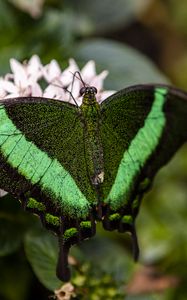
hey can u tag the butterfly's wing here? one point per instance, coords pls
(42, 163)
(142, 127)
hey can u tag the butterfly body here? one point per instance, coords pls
(76, 165)
(90, 111)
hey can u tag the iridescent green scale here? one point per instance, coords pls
(74, 166)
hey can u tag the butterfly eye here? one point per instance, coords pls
(94, 90)
(82, 90)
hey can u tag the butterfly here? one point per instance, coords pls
(74, 166)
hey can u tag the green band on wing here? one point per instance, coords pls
(37, 167)
(138, 152)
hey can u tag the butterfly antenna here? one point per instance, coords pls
(70, 92)
(78, 77)
(71, 95)
(66, 90)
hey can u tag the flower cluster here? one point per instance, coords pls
(24, 81)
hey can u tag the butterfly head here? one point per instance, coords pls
(88, 94)
(88, 90)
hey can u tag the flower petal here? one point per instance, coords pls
(88, 72)
(67, 75)
(51, 71)
(98, 80)
(9, 86)
(36, 90)
(105, 94)
(19, 71)
(54, 92)
(34, 68)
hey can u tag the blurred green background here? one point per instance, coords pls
(138, 41)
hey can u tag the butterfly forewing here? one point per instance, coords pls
(142, 127)
(123, 115)
(43, 137)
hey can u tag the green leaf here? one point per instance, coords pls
(15, 277)
(164, 209)
(42, 250)
(13, 225)
(7, 20)
(108, 257)
(126, 65)
(10, 236)
(103, 16)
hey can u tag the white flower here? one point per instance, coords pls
(62, 85)
(66, 292)
(51, 71)
(23, 80)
